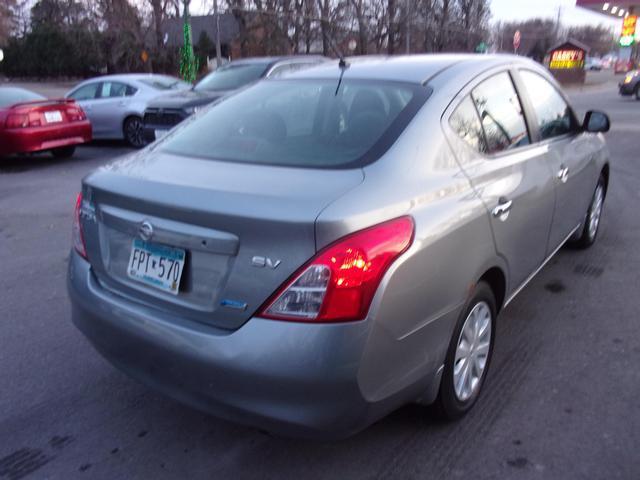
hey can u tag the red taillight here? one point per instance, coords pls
(17, 120)
(24, 120)
(339, 283)
(78, 237)
(75, 113)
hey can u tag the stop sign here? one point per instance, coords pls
(516, 39)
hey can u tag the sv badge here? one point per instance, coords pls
(262, 262)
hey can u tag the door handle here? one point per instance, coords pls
(563, 174)
(502, 210)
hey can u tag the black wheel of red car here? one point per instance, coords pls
(134, 132)
(63, 152)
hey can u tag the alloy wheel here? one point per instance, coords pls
(595, 212)
(472, 352)
(134, 132)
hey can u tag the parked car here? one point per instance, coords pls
(115, 103)
(163, 114)
(32, 123)
(316, 251)
(630, 86)
(593, 64)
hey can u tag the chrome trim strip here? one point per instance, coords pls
(530, 277)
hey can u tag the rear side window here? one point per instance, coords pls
(302, 123)
(115, 90)
(500, 113)
(466, 123)
(553, 114)
(86, 92)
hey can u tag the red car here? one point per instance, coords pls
(31, 123)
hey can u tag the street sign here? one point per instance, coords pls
(517, 37)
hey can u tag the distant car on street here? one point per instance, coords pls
(593, 64)
(32, 123)
(318, 250)
(164, 113)
(115, 104)
(630, 86)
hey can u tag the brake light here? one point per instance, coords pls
(24, 120)
(339, 283)
(17, 120)
(78, 236)
(75, 113)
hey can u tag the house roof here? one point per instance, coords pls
(571, 41)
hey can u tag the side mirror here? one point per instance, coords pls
(595, 122)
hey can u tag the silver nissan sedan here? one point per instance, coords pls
(313, 252)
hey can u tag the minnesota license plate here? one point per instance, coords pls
(156, 265)
(53, 117)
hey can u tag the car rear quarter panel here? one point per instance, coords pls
(421, 296)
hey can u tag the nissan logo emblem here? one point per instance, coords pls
(146, 230)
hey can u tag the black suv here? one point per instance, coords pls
(164, 113)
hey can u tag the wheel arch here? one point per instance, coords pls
(605, 174)
(497, 281)
(130, 115)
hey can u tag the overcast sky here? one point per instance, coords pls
(522, 9)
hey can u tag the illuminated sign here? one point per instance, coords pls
(566, 59)
(628, 35)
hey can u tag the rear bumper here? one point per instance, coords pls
(36, 139)
(292, 378)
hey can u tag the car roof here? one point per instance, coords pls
(127, 76)
(277, 59)
(404, 68)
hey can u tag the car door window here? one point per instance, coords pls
(553, 114)
(500, 113)
(113, 90)
(86, 92)
(466, 123)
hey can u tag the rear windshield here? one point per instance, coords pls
(163, 83)
(302, 123)
(11, 95)
(232, 76)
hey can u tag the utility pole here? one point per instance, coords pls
(217, 15)
(558, 18)
(408, 14)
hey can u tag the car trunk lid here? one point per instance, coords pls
(245, 228)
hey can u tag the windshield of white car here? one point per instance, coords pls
(163, 83)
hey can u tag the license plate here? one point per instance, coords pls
(156, 265)
(53, 117)
(161, 133)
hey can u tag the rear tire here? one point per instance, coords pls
(469, 355)
(63, 152)
(591, 227)
(133, 130)
(636, 92)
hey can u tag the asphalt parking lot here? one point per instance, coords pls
(561, 400)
